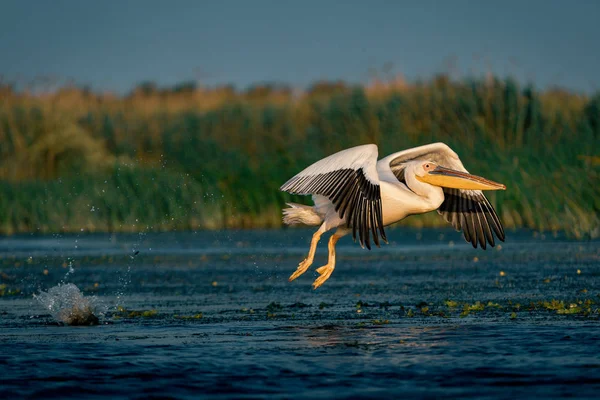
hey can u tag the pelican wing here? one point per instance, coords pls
(471, 212)
(350, 181)
(467, 210)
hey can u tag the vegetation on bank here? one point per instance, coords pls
(194, 158)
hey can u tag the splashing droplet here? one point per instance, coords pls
(68, 305)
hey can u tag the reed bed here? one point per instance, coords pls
(195, 158)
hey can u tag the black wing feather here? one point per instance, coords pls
(354, 197)
(471, 212)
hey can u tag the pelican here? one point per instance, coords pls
(354, 192)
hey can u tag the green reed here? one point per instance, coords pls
(213, 159)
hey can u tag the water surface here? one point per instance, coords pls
(212, 313)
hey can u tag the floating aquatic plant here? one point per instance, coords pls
(6, 291)
(380, 321)
(451, 303)
(122, 312)
(188, 317)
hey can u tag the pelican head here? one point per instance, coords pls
(430, 172)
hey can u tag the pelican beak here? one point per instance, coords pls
(449, 178)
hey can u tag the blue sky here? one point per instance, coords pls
(112, 45)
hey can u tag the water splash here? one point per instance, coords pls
(69, 272)
(68, 305)
(125, 276)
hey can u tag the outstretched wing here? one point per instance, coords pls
(467, 210)
(349, 180)
(471, 212)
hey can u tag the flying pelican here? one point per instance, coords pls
(354, 192)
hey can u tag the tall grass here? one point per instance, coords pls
(192, 158)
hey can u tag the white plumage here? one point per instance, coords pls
(354, 192)
(360, 157)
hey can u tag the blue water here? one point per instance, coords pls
(426, 316)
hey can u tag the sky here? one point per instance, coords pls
(113, 45)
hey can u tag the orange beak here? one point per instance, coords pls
(449, 178)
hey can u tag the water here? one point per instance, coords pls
(68, 305)
(212, 314)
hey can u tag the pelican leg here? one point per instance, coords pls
(307, 262)
(326, 270)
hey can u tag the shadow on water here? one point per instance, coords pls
(213, 314)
